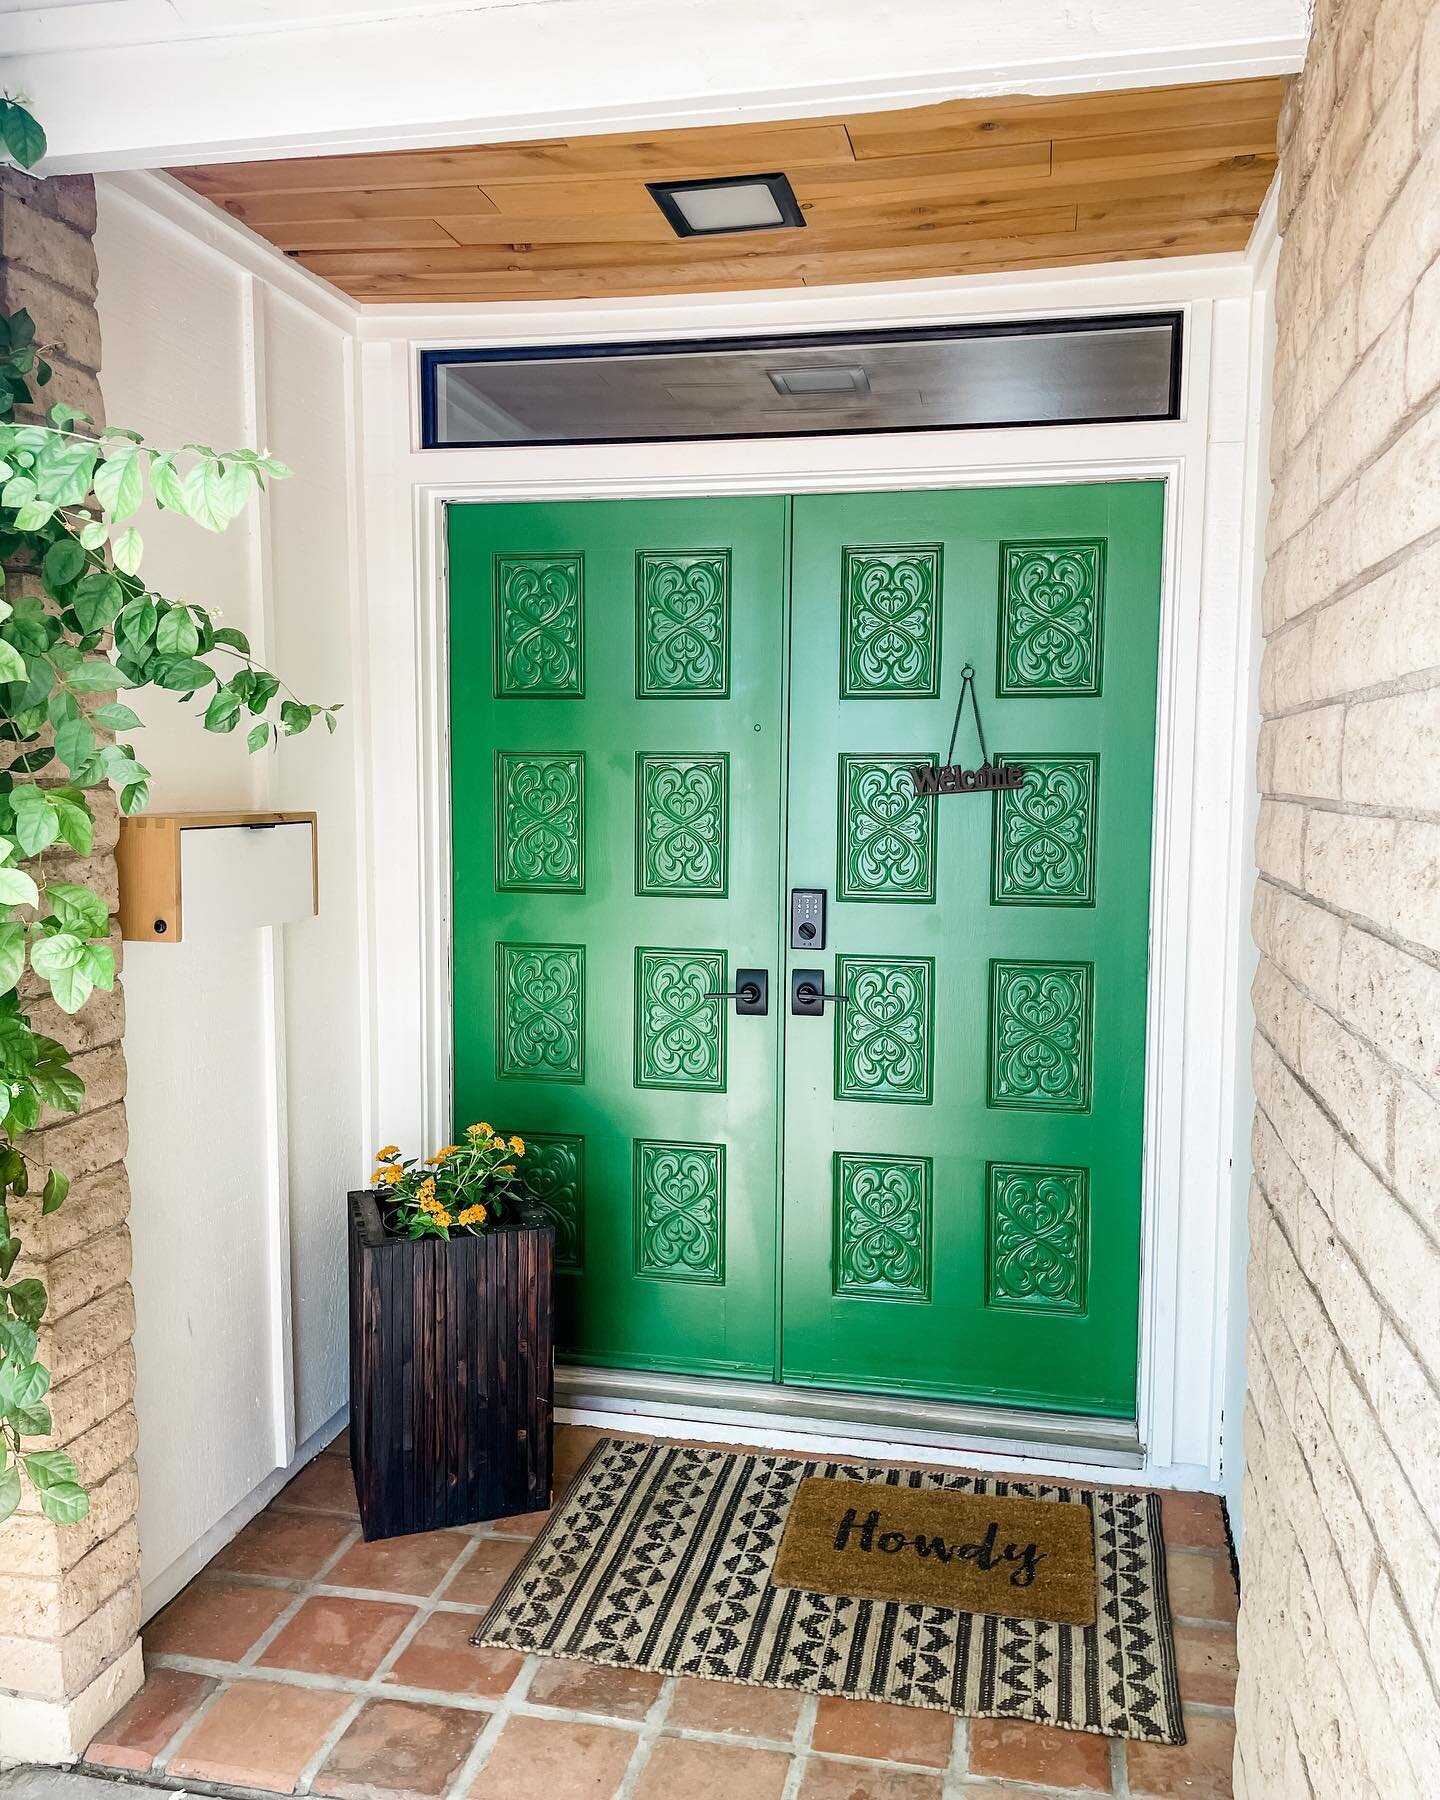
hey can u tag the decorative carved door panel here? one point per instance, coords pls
(635, 686)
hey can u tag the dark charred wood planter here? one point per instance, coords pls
(451, 1373)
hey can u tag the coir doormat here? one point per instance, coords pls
(981, 1553)
(664, 1557)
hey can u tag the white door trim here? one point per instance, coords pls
(1186, 1113)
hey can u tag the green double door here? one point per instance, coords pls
(669, 716)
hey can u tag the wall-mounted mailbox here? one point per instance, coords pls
(197, 873)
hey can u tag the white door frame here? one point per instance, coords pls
(1207, 597)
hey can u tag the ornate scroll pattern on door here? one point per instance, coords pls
(679, 1030)
(887, 831)
(681, 825)
(682, 625)
(539, 628)
(1038, 1227)
(890, 623)
(540, 821)
(680, 1211)
(882, 1227)
(554, 1173)
(541, 1001)
(1044, 851)
(884, 1030)
(1040, 1030)
(1051, 607)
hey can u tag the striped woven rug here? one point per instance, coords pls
(659, 1557)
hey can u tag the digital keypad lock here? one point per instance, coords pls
(807, 918)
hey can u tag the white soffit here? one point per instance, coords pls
(146, 83)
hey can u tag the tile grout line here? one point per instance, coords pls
(958, 1766)
(649, 1732)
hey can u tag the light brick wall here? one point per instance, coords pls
(1340, 1620)
(70, 1595)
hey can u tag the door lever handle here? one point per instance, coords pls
(751, 992)
(807, 993)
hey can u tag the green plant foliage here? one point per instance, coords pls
(78, 621)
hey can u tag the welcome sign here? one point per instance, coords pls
(950, 778)
(983, 1553)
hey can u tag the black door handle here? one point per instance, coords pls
(751, 992)
(807, 993)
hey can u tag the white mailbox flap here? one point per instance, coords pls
(235, 876)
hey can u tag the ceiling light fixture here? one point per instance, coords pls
(727, 203)
(817, 379)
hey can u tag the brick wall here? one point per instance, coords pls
(1340, 1622)
(70, 1595)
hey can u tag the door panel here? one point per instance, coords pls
(962, 1166)
(617, 755)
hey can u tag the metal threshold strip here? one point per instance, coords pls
(950, 1425)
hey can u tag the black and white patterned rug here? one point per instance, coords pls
(659, 1557)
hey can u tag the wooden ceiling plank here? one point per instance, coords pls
(262, 212)
(365, 234)
(593, 228)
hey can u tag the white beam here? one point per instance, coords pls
(123, 84)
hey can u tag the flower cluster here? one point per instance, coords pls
(462, 1187)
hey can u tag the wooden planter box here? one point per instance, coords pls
(451, 1373)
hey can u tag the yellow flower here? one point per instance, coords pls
(509, 1169)
(444, 1151)
(387, 1150)
(442, 1219)
(391, 1175)
(474, 1215)
(517, 1144)
(427, 1188)
(481, 1130)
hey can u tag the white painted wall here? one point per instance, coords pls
(236, 79)
(246, 1048)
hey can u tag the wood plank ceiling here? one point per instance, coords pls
(969, 185)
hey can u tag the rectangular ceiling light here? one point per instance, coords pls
(1087, 371)
(728, 203)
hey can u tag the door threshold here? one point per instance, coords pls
(950, 1428)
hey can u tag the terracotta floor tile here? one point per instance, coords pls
(730, 1706)
(216, 1617)
(526, 1525)
(333, 1635)
(440, 1656)
(855, 1781)
(573, 1443)
(1201, 1585)
(1199, 1769)
(485, 1574)
(555, 1759)
(1208, 1664)
(394, 1747)
(699, 1771)
(887, 1733)
(594, 1688)
(140, 1731)
(258, 1734)
(325, 1485)
(1193, 1521)
(1014, 1750)
(283, 1543)
(401, 1565)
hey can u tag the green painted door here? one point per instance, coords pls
(637, 783)
(617, 756)
(962, 1169)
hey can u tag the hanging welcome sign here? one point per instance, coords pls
(950, 778)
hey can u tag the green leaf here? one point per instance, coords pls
(129, 549)
(63, 415)
(258, 738)
(52, 1197)
(215, 491)
(17, 1339)
(74, 743)
(33, 1421)
(24, 138)
(185, 675)
(93, 535)
(36, 824)
(78, 909)
(97, 678)
(115, 715)
(64, 469)
(64, 562)
(12, 967)
(12, 664)
(118, 486)
(134, 797)
(223, 712)
(22, 1384)
(9, 1491)
(165, 484)
(98, 599)
(176, 635)
(49, 1468)
(34, 514)
(295, 717)
(28, 1301)
(65, 1503)
(76, 825)
(9, 1250)
(137, 625)
(17, 491)
(99, 965)
(17, 889)
(233, 640)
